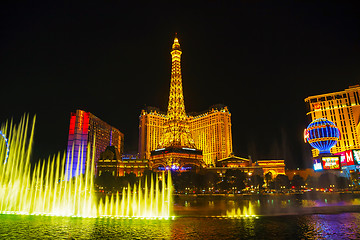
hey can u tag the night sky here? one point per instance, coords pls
(261, 59)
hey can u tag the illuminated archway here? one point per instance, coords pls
(7, 146)
(273, 173)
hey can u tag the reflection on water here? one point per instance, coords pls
(317, 226)
(265, 205)
(281, 217)
(44, 227)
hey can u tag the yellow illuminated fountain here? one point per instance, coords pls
(246, 212)
(44, 190)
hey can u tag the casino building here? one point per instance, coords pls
(343, 109)
(200, 138)
(84, 128)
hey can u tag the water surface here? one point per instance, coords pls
(282, 217)
(317, 226)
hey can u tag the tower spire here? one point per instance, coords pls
(176, 131)
(176, 44)
(176, 106)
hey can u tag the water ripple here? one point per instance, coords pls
(316, 226)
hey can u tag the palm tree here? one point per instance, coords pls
(268, 178)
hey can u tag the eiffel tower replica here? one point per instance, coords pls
(177, 148)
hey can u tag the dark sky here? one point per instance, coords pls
(260, 58)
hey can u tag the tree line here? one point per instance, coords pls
(232, 181)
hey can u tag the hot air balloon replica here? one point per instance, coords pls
(323, 134)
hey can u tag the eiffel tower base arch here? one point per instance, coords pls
(177, 158)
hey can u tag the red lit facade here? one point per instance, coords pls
(83, 130)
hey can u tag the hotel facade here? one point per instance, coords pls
(343, 109)
(84, 128)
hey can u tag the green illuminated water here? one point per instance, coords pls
(193, 221)
(326, 226)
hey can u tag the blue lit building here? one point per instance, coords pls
(85, 128)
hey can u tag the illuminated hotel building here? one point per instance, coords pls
(151, 128)
(209, 131)
(343, 109)
(84, 128)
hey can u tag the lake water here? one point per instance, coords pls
(282, 217)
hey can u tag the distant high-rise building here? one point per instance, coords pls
(84, 128)
(343, 109)
(209, 131)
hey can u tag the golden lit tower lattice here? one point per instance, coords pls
(176, 128)
(176, 146)
(160, 133)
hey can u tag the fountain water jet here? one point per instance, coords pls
(246, 212)
(46, 191)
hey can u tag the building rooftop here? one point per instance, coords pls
(337, 95)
